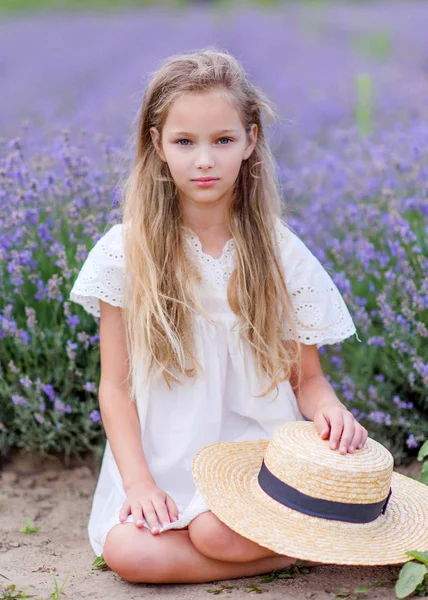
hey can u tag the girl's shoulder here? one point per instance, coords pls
(292, 248)
(113, 235)
(109, 249)
(101, 276)
(322, 316)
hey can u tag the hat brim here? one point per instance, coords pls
(226, 475)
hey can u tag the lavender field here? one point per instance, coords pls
(350, 82)
(89, 70)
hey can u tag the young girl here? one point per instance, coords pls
(211, 315)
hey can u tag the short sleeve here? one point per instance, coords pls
(321, 315)
(102, 274)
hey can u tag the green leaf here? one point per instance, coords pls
(420, 556)
(423, 451)
(300, 563)
(361, 590)
(411, 575)
(424, 473)
(379, 581)
(99, 563)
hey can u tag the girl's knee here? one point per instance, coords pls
(212, 538)
(129, 552)
(117, 547)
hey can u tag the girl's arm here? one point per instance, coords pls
(314, 390)
(318, 402)
(122, 427)
(119, 414)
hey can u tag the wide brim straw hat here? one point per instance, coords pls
(296, 496)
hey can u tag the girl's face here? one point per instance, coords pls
(203, 137)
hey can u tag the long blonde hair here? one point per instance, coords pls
(160, 290)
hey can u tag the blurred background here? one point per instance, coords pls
(350, 83)
(84, 64)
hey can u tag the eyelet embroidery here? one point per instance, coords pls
(214, 270)
(218, 270)
(337, 323)
(101, 277)
(230, 244)
(330, 325)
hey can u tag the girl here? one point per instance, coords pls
(211, 315)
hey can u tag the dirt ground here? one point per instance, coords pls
(58, 501)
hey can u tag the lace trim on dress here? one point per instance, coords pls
(308, 316)
(321, 315)
(101, 276)
(216, 270)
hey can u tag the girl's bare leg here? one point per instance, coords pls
(215, 539)
(170, 557)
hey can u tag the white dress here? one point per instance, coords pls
(218, 406)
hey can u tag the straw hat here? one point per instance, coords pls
(296, 496)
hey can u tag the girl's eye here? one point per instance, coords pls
(186, 140)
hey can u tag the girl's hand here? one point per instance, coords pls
(335, 420)
(146, 499)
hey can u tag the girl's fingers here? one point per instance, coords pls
(364, 436)
(124, 511)
(356, 439)
(151, 518)
(348, 431)
(161, 510)
(172, 508)
(336, 425)
(322, 425)
(137, 515)
(344, 428)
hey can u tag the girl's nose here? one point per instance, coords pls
(204, 160)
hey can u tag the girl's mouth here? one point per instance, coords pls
(205, 182)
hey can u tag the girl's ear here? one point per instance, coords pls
(252, 141)
(156, 142)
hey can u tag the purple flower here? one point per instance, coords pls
(95, 416)
(59, 406)
(20, 401)
(49, 391)
(411, 442)
(71, 347)
(25, 381)
(90, 387)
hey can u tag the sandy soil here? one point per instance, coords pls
(58, 501)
